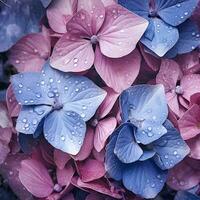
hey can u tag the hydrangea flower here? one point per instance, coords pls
(100, 35)
(168, 26)
(146, 145)
(58, 103)
(184, 195)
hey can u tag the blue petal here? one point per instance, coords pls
(65, 130)
(112, 164)
(145, 106)
(30, 117)
(46, 3)
(175, 12)
(164, 38)
(145, 178)
(184, 195)
(18, 18)
(29, 89)
(189, 39)
(147, 154)
(137, 6)
(170, 149)
(126, 149)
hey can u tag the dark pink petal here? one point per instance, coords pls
(96, 10)
(108, 103)
(194, 144)
(87, 145)
(35, 178)
(172, 100)
(65, 175)
(195, 99)
(103, 130)
(72, 54)
(4, 150)
(169, 74)
(189, 124)
(191, 85)
(9, 171)
(30, 52)
(99, 186)
(60, 158)
(119, 26)
(59, 13)
(12, 104)
(100, 156)
(185, 175)
(69, 197)
(5, 135)
(118, 73)
(90, 170)
(94, 196)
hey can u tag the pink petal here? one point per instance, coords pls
(169, 74)
(194, 144)
(72, 54)
(90, 170)
(60, 158)
(65, 175)
(5, 135)
(99, 186)
(103, 130)
(4, 150)
(69, 197)
(87, 146)
(118, 73)
(119, 26)
(12, 104)
(173, 103)
(183, 102)
(30, 52)
(96, 10)
(94, 197)
(59, 13)
(5, 120)
(100, 156)
(195, 99)
(190, 122)
(35, 178)
(184, 176)
(191, 85)
(9, 171)
(109, 2)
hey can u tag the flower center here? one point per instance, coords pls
(179, 89)
(57, 105)
(94, 39)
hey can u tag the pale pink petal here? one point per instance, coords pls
(30, 52)
(184, 175)
(96, 10)
(169, 74)
(194, 144)
(183, 102)
(119, 26)
(35, 178)
(118, 73)
(108, 103)
(103, 130)
(109, 2)
(60, 158)
(59, 13)
(87, 145)
(72, 54)
(5, 135)
(65, 175)
(189, 124)
(12, 104)
(191, 85)
(9, 171)
(90, 170)
(5, 120)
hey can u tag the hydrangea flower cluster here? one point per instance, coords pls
(100, 99)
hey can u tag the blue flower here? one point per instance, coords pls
(58, 104)
(168, 25)
(184, 195)
(146, 145)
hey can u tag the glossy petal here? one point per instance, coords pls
(126, 148)
(170, 149)
(18, 18)
(90, 170)
(118, 73)
(118, 27)
(146, 107)
(144, 178)
(189, 122)
(30, 117)
(72, 54)
(184, 195)
(59, 13)
(35, 178)
(161, 42)
(60, 133)
(175, 12)
(103, 130)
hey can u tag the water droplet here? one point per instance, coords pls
(17, 61)
(186, 13)
(166, 156)
(38, 95)
(34, 122)
(19, 91)
(20, 85)
(80, 142)
(59, 81)
(193, 47)
(11, 173)
(50, 94)
(178, 5)
(84, 107)
(150, 134)
(26, 125)
(75, 60)
(51, 80)
(24, 120)
(153, 185)
(66, 88)
(149, 129)
(101, 16)
(82, 115)
(76, 89)
(175, 152)
(42, 82)
(182, 183)
(63, 138)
